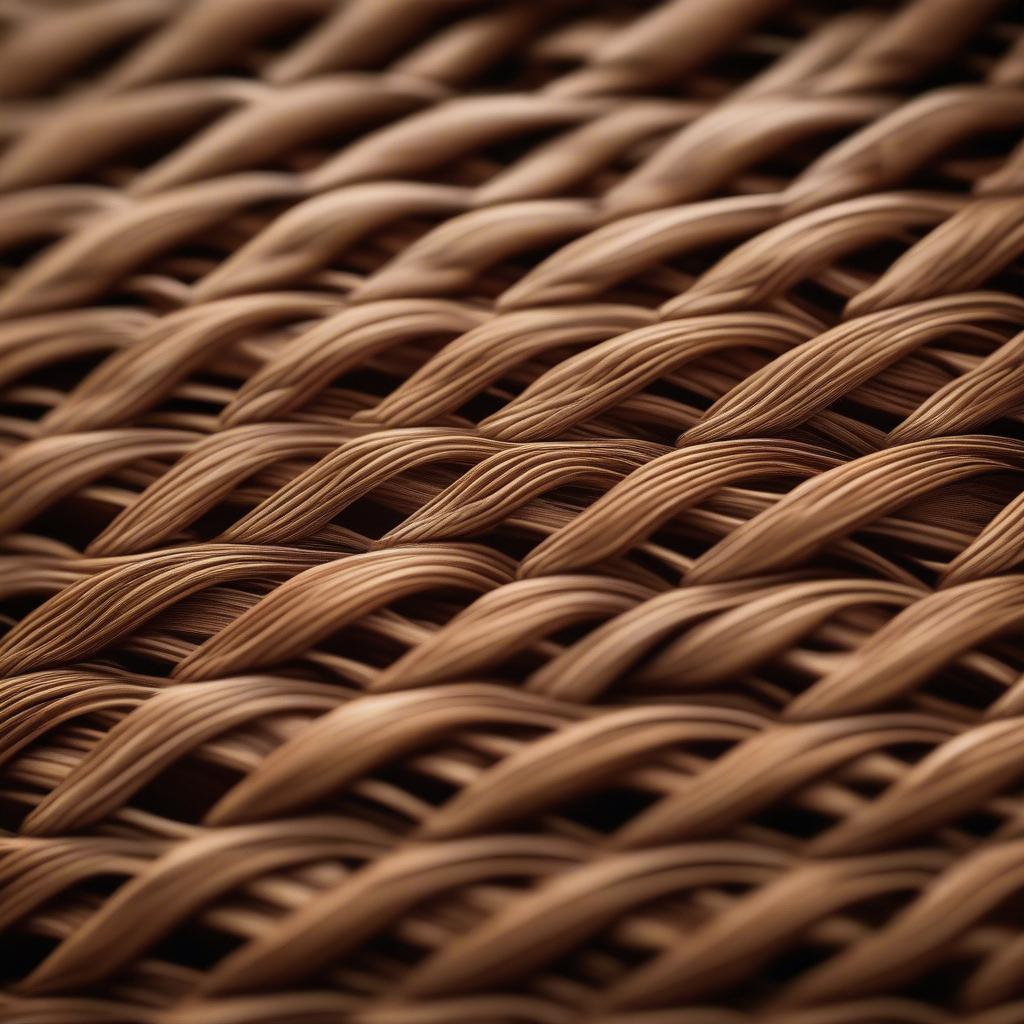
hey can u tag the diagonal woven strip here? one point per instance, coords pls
(511, 512)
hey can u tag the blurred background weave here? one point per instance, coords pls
(511, 512)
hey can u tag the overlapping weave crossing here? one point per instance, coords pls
(512, 512)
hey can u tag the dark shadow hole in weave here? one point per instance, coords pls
(820, 299)
(489, 401)
(963, 689)
(13, 811)
(95, 65)
(570, 635)
(1006, 649)
(436, 607)
(65, 374)
(16, 256)
(651, 563)
(863, 785)
(180, 406)
(675, 390)
(981, 825)
(196, 946)
(961, 165)
(499, 392)
(186, 790)
(412, 780)
(942, 985)
(979, 340)
(379, 962)
(776, 33)
(602, 812)
(13, 609)
(364, 645)
(677, 537)
(989, 44)
(361, 807)
(707, 750)
(783, 166)
(1009, 912)
(302, 21)
(909, 556)
(609, 810)
(602, 961)
(752, 55)
(872, 914)
(513, 71)
(131, 160)
(1009, 279)
(993, 146)
(381, 379)
(21, 952)
(867, 415)
(370, 516)
(494, 158)
(375, 647)
(877, 258)
(776, 973)
(135, 662)
(212, 523)
(24, 406)
(74, 520)
(794, 820)
(368, 255)
(650, 289)
(544, 60)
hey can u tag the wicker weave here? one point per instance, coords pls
(511, 512)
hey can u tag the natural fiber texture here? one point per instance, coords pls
(511, 512)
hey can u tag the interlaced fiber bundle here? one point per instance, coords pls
(512, 512)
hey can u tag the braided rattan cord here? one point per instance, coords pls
(511, 512)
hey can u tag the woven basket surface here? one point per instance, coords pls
(512, 512)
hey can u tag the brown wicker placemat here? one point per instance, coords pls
(511, 512)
